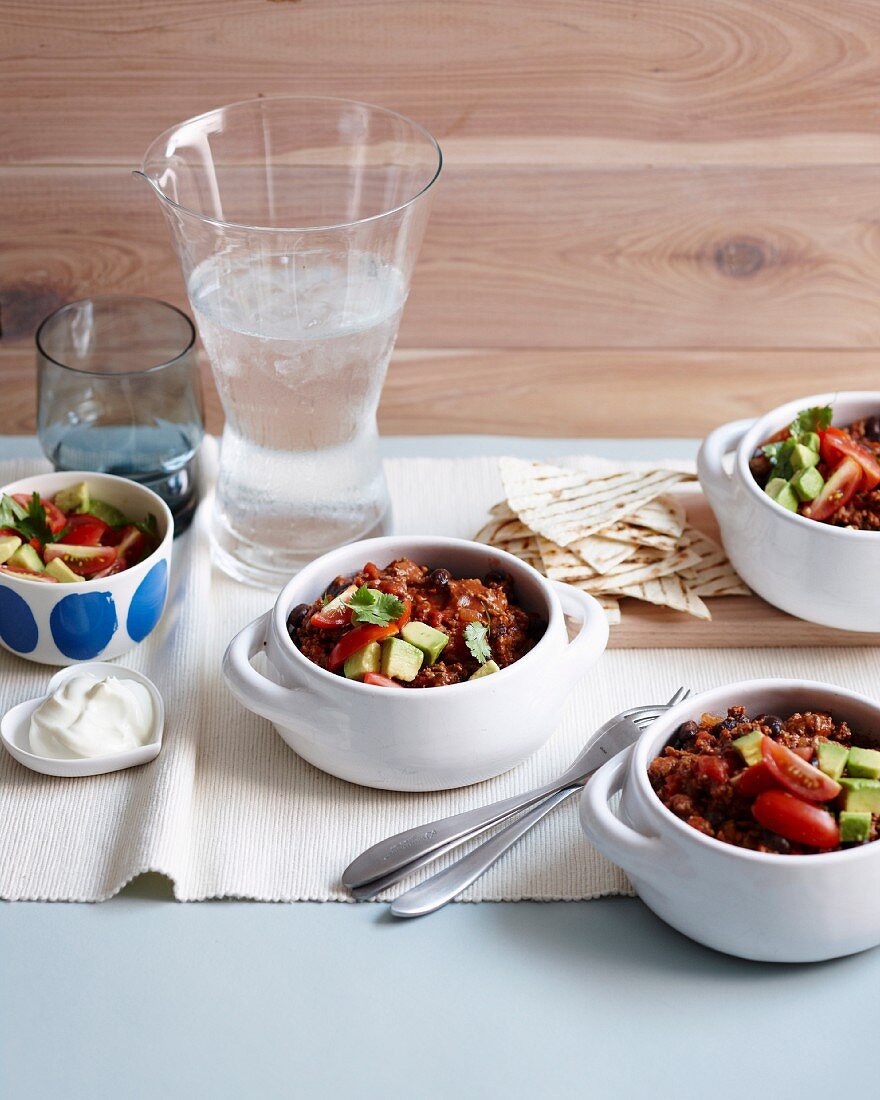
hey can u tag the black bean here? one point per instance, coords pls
(440, 577)
(684, 733)
(337, 586)
(773, 723)
(496, 576)
(295, 618)
(778, 843)
(872, 429)
(726, 724)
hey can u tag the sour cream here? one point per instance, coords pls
(91, 717)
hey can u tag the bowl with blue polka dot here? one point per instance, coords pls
(88, 620)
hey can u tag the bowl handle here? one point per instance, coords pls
(714, 479)
(624, 846)
(255, 692)
(590, 642)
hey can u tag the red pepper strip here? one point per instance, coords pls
(336, 617)
(378, 680)
(362, 635)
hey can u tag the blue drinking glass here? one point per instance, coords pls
(118, 392)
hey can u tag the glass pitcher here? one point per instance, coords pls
(297, 222)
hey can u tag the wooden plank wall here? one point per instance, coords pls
(655, 214)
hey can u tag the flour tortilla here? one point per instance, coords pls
(645, 565)
(669, 592)
(564, 505)
(713, 575)
(514, 537)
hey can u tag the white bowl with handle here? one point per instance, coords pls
(815, 571)
(417, 739)
(757, 905)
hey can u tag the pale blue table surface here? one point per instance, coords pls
(142, 997)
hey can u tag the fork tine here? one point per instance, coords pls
(681, 694)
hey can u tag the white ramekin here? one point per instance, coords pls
(63, 624)
(776, 908)
(824, 574)
(417, 739)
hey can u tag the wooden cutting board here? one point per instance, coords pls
(738, 622)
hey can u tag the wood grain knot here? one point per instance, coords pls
(740, 257)
(24, 306)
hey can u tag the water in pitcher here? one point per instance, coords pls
(299, 345)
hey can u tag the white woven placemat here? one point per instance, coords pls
(227, 810)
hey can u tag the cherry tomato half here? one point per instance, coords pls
(836, 445)
(362, 635)
(378, 680)
(85, 530)
(842, 485)
(54, 516)
(83, 560)
(796, 820)
(796, 775)
(756, 779)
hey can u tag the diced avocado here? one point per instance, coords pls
(810, 439)
(485, 670)
(26, 557)
(807, 483)
(73, 499)
(107, 512)
(780, 491)
(61, 572)
(749, 747)
(855, 828)
(8, 545)
(802, 458)
(430, 641)
(365, 660)
(832, 758)
(400, 659)
(863, 763)
(861, 795)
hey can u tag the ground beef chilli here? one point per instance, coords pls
(863, 511)
(699, 777)
(439, 600)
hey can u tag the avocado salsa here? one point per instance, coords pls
(793, 786)
(822, 472)
(412, 626)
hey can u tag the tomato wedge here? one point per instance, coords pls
(362, 635)
(835, 445)
(756, 779)
(378, 680)
(796, 775)
(796, 820)
(54, 516)
(29, 574)
(336, 612)
(842, 485)
(83, 560)
(85, 530)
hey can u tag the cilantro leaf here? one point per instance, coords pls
(816, 419)
(368, 605)
(476, 638)
(30, 522)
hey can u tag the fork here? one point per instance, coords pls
(440, 889)
(385, 863)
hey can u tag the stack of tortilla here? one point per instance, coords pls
(611, 532)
